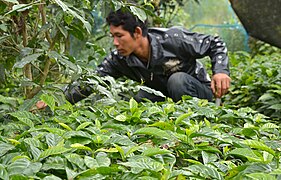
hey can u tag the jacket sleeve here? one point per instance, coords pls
(76, 91)
(201, 45)
(109, 66)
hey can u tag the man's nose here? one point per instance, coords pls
(115, 41)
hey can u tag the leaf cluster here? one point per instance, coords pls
(191, 139)
(256, 82)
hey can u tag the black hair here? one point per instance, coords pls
(127, 20)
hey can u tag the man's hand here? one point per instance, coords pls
(41, 105)
(220, 84)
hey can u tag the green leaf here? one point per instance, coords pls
(139, 163)
(24, 166)
(70, 173)
(116, 126)
(155, 151)
(177, 173)
(163, 125)
(27, 122)
(207, 148)
(12, 1)
(258, 145)
(83, 125)
(249, 132)
(35, 152)
(260, 176)
(66, 9)
(101, 161)
(53, 151)
(121, 151)
(3, 172)
(55, 162)
(67, 63)
(139, 13)
(247, 153)
(52, 139)
(56, 131)
(208, 157)
(269, 126)
(169, 108)
(32, 169)
(98, 173)
(121, 118)
(276, 171)
(63, 30)
(91, 162)
(8, 100)
(151, 91)
(18, 166)
(120, 139)
(182, 117)
(109, 150)
(18, 177)
(116, 4)
(205, 171)
(277, 91)
(275, 107)
(51, 177)
(266, 97)
(153, 132)
(75, 159)
(14, 141)
(65, 126)
(80, 146)
(4, 148)
(25, 115)
(131, 151)
(70, 134)
(49, 100)
(21, 7)
(154, 110)
(133, 105)
(32, 142)
(26, 60)
(137, 114)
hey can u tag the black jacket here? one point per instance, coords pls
(172, 50)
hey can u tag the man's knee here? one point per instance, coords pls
(177, 80)
(181, 83)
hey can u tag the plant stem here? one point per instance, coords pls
(48, 62)
(44, 21)
(27, 67)
(52, 44)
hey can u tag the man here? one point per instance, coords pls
(163, 59)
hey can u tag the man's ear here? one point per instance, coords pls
(138, 32)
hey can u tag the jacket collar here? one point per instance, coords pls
(156, 48)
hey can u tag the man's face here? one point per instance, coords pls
(122, 40)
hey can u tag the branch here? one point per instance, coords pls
(44, 21)
(48, 62)
(27, 67)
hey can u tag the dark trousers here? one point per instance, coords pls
(180, 84)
